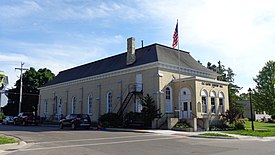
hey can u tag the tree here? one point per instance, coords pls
(149, 110)
(264, 95)
(32, 80)
(2, 82)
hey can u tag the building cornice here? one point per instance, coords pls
(161, 65)
(188, 71)
(203, 80)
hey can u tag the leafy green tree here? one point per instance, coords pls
(2, 82)
(244, 96)
(264, 95)
(32, 80)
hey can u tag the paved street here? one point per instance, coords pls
(51, 140)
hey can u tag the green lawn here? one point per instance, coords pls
(261, 129)
(7, 140)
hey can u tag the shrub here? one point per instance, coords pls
(218, 126)
(239, 124)
(182, 125)
(2, 116)
(273, 116)
(110, 120)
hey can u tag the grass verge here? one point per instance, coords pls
(214, 135)
(261, 129)
(7, 140)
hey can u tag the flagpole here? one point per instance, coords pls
(180, 99)
(178, 51)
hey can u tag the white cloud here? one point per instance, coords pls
(19, 9)
(56, 57)
(12, 57)
(62, 10)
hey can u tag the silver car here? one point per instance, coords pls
(8, 120)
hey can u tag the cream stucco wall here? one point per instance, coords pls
(166, 80)
(98, 89)
(216, 87)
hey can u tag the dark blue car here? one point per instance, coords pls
(75, 121)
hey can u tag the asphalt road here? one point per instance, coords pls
(52, 141)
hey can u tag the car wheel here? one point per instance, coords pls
(73, 126)
(61, 126)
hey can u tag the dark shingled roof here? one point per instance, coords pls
(145, 55)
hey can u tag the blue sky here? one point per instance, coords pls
(60, 34)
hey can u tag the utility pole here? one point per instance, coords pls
(21, 84)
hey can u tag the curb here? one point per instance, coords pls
(12, 146)
(126, 130)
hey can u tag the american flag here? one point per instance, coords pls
(175, 37)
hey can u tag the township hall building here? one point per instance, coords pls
(181, 87)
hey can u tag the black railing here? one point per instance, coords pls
(124, 104)
(134, 89)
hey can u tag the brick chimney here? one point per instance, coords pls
(131, 56)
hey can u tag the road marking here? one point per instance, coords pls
(107, 143)
(94, 139)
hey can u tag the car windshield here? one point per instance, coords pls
(78, 116)
(84, 116)
(27, 114)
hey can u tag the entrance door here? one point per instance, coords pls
(185, 105)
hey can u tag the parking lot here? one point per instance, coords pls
(52, 140)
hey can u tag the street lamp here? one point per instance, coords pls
(252, 124)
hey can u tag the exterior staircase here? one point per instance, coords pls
(134, 90)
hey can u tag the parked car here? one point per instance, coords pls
(75, 121)
(8, 120)
(26, 118)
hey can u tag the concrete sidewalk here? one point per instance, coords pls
(193, 134)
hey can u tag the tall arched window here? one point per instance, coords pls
(109, 101)
(213, 101)
(45, 108)
(221, 103)
(90, 110)
(73, 105)
(59, 108)
(168, 97)
(204, 101)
